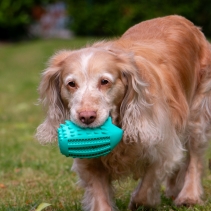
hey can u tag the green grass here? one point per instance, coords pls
(30, 173)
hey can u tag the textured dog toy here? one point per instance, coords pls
(80, 142)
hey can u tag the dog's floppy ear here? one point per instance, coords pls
(50, 98)
(141, 116)
(135, 102)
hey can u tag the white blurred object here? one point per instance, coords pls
(52, 23)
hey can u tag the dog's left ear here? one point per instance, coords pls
(138, 119)
(132, 78)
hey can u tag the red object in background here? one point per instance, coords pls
(38, 12)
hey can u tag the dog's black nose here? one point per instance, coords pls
(87, 117)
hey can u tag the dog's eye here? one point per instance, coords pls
(104, 82)
(72, 84)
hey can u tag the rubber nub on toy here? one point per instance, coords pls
(78, 142)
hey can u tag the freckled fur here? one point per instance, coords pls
(159, 94)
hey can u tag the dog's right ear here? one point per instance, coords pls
(49, 91)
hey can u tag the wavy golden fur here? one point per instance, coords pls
(155, 83)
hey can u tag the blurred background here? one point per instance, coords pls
(27, 19)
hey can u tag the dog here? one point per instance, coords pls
(155, 83)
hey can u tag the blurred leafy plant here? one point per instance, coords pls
(14, 12)
(113, 17)
(15, 16)
(100, 17)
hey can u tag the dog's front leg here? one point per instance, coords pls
(95, 180)
(148, 191)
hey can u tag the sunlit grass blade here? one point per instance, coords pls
(42, 206)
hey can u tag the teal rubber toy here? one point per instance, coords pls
(78, 142)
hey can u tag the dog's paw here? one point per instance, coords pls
(190, 195)
(136, 203)
(188, 200)
(133, 206)
(138, 207)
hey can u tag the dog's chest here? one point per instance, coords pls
(125, 160)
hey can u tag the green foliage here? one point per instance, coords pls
(15, 16)
(113, 17)
(103, 18)
(11, 9)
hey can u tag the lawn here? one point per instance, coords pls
(30, 173)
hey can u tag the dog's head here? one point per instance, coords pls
(91, 86)
(86, 86)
